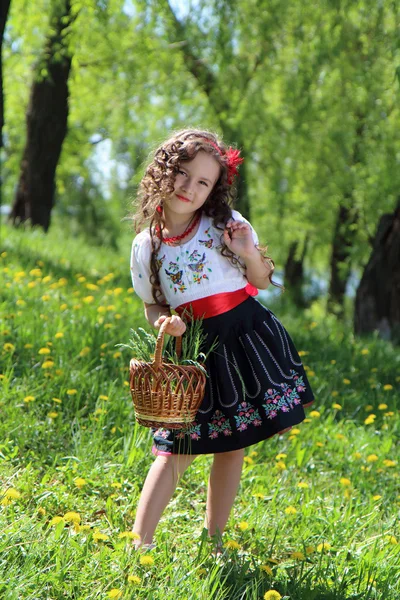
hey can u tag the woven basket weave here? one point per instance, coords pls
(165, 394)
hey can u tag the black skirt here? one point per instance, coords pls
(256, 385)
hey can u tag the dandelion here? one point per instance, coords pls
(232, 545)
(340, 436)
(129, 534)
(44, 351)
(273, 594)
(302, 484)
(315, 414)
(55, 521)
(310, 549)
(248, 460)
(390, 413)
(134, 579)
(114, 593)
(10, 495)
(85, 351)
(79, 482)
(382, 406)
(368, 408)
(295, 431)
(297, 556)
(116, 484)
(391, 539)
(370, 420)
(323, 546)
(72, 517)
(88, 299)
(280, 456)
(52, 414)
(99, 537)
(376, 497)
(63, 306)
(333, 362)
(117, 354)
(258, 496)
(290, 510)
(57, 400)
(45, 297)
(28, 399)
(345, 482)
(346, 381)
(389, 463)
(7, 347)
(48, 364)
(243, 525)
(59, 335)
(387, 387)
(101, 397)
(72, 392)
(336, 406)
(372, 458)
(92, 287)
(146, 560)
(364, 351)
(267, 569)
(319, 444)
(311, 373)
(280, 465)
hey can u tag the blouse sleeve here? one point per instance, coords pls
(140, 267)
(238, 217)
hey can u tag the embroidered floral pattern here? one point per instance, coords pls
(207, 243)
(159, 262)
(219, 424)
(164, 433)
(175, 276)
(285, 399)
(247, 415)
(193, 431)
(198, 266)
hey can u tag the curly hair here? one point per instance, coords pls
(158, 184)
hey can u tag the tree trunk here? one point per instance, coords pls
(4, 6)
(340, 257)
(46, 117)
(377, 305)
(294, 274)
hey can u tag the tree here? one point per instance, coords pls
(46, 121)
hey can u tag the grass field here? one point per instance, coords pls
(317, 513)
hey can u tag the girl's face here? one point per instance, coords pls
(193, 184)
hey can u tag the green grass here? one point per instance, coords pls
(69, 442)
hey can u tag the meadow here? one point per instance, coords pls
(316, 517)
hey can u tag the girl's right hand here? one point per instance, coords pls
(175, 327)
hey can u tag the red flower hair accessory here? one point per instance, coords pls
(233, 159)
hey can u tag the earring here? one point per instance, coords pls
(159, 209)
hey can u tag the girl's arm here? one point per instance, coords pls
(156, 315)
(257, 270)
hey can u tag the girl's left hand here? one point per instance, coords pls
(239, 239)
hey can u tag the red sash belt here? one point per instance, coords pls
(214, 305)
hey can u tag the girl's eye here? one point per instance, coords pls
(183, 172)
(204, 183)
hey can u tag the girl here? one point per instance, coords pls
(198, 256)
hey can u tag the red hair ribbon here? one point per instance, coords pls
(233, 159)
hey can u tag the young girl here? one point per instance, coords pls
(198, 256)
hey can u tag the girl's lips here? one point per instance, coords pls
(182, 198)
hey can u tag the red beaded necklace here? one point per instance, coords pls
(178, 238)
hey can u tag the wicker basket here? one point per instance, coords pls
(165, 394)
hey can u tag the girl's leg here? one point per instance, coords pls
(157, 491)
(222, 489)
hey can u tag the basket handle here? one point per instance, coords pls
(160, 343)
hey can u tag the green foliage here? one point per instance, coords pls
(316, 512)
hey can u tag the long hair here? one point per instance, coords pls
(158, 184)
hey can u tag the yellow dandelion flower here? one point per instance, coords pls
(310, 549)
(387, 387)
(232, 545)
(99, 537)
(243, 525)
(370, 420)
(372, 458)
(29, 399)
(126, 383)
(72, 392)
(364, 351)
(333, 362)
(56, 521)
(290, 510)
(79, 482)
(295, 431)
(85, 351)
(59, 335)
(382, 406)
(340, 436)
(63, 306)
(146, 560)
(101, 397)
(303, 353)
(323, 546)
(7, 347)
(88, 299)
(72, 517)
(376, 497)
(391, 539)
(117, 354)
(280, 465)
(319, 444)
(302, 484)
(12, 494)
(116, 484)
(280, 456)
(253, 454)
(3, 254)
(258, 496)
(297, 556)
(346, 381)
(52, 414)
(57, 400)
(118, 291)
(45, 297)
(267, 569)
(345, 482)
(273, 594)
(368, 408)
(315, 414)
(48, 364)
(113, 429)
(248, 460)
(389, 463)
(129, 534)
(337, 406)
(134, 579)
(92, 287)
(390, 413)
(114, 593)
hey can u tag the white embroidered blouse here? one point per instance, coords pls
(193, 270)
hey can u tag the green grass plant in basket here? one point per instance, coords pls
(167, 390)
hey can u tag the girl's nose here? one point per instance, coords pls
(188, 186)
